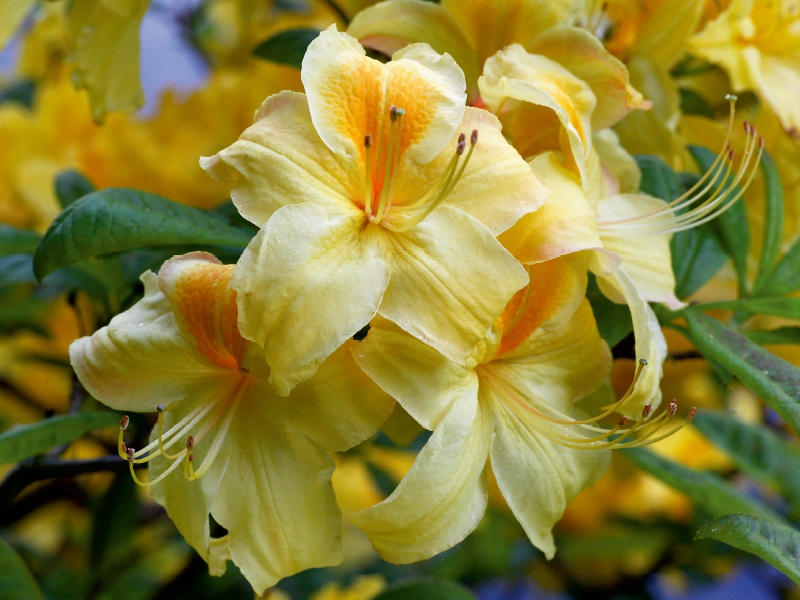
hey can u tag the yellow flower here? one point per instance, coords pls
(758, 43)
(226, 444)
(513, 406)
(368, 201)
(364, 587)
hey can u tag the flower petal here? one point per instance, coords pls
(276, 500)
(583, 55)
(440, 273)
(539, 478)
(339, 406)
(443, 497)
(421, 379)
(280, 160)
(664, 34)
(305, 284)
(646, 258)
(650, 345)
(541, 104)
(143, 358)
(350, 95)
(392, 25)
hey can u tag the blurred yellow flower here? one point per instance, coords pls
(262, 467)
(364, 587)
(367, 204)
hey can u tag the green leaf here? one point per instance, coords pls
(17, 241)
(774, 380)
(16, 269)
(693, 103)
(287, 47)
(779, 307)
(773, 542)
(756, 450)
(785, 276)
(706, 490)
(773, 218)
(72, 185)
(119, 219)
(21, 92)
(426, 589)
(781, 335)
(19, 443)
(613, 320)
(657, 178)
(17, 583)
(732, 225)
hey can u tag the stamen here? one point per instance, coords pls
(368, 175)
(392, 160)
(122, 449)
(718, 178)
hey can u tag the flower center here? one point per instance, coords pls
(379, 206)
(718, 190)
(195, 426)
(584, 434)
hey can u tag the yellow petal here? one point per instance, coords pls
(646, 258)
(440, 272)
(310, 278)
(665, 32)
(539, 478)
(337, 408)
(421, 379)
(650, 345)
(541, 105)
(280, 160)
(583, 55)
(106, 34)
(491, 26)
(392, 25)
(143, 358)
(350, 95)
(624, 172)
(276, 500)
(443, 497)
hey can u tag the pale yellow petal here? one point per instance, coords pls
(337, 408)
(777, 78)
(666, 30)
(650, 345)
(421, 379)
(625, 175)
(350, 95)
(440, 271)
(390, 26)
(106, 38)
(305, 284)
(276, 500)
(443, 497)
(143, 358)
(280, 160)
(583, 55)
(646, 258)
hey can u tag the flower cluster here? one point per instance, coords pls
(428, 226)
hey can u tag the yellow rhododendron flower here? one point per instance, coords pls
(106, 39)
(369, 202)
(758, 43)
(226, 444)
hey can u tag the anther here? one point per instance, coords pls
(646, 410)
(368, 141)
(474, 137)
(130, 452)
(692, 414)
(672, 408)
(461, 146)
(191, 457)
(393, 112)
(761, 142)
(746, 126)
(190, 442)
(731, 97)
(462, 138)
(123, 422)
(643, 362)
(124, 447)
(622, 421)
(160, 408)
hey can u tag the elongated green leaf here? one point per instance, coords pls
(613, 320)
(784, 277)
(657, 178)
(781, 335)
(17, 241)
(16, 582)
(780, 307)
(774, 380)
(426, 589)
(771, 541)
(706, 490)
(118, 219)
(732, 225)
(773, 217)
(287, 47)
(756, 450)
(24, 441)
(72, 185)
(21, 92)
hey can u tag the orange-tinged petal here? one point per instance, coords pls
(350, 96)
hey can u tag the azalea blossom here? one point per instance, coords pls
(225, 443)
(377, 191)
(513, 405)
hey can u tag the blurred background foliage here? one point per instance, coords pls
(74, 526)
